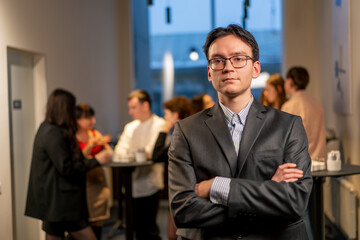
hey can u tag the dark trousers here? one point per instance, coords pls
(145, 212)
(97, 231)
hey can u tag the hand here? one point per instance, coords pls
(99, 140)
(104, 156)
(287, 173)
(103, 140)
(202, 189)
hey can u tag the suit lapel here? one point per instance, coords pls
(253, 126)
(217, 125)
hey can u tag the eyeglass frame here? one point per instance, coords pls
(229, 58)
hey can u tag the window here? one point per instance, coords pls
(177, 31)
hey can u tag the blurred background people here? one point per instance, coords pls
(201, 102)
(310, 110)
(57, 191)
(91, 143)
(175, 109)
(274, 93)
(141, 134)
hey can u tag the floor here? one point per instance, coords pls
(162, 220)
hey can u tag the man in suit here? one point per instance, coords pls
(238, 169)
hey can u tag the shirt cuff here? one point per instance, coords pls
(219, 191)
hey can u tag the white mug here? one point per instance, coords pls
(333, 161)
(140, 156)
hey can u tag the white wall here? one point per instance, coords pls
(87, 48)
(308, 37)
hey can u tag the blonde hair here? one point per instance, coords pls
(277, 81)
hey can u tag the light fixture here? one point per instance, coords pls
(246, 5)
(168, 14)
(194, 55)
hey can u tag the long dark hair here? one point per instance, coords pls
(60, 111)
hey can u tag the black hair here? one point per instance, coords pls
(300, 77)
(60, 111)
(237, 31)
(84, 110)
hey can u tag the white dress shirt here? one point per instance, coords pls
(220, 188)
(142, 135)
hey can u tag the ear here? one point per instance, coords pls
(146, 105)
(291, 82)
(256, 69)
(279, 89)
(176, 115)
(209, 74)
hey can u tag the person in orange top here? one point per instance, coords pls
(91, 143)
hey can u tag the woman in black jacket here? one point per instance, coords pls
(56, 192)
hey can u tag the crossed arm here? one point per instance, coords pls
(285, 173)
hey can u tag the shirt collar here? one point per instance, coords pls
(229, 115)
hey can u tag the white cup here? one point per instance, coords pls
(140, 156)
(121, 158)
(333, 161)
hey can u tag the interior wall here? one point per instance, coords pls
(300, 39)
(87, 49)
(308, 37)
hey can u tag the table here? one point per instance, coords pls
(127, 169)
(318, 218)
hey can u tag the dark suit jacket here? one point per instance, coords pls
(161, 149)
(258, 208)
(57, 190)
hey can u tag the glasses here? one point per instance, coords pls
(238, 61)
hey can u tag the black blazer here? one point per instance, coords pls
(57, 181)
(258, 208)
(161, 149)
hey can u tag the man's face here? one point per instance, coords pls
(232, 82)
(137, 110)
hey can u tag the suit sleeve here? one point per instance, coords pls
(269, 198)
(187, 208)
(58, 150)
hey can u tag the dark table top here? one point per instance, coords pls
(346, 170)
(129, 164)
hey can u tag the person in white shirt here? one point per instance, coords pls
(141, 134)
